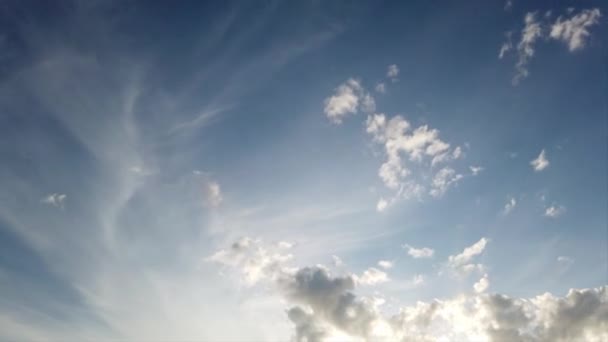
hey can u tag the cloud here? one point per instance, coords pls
(337, 261)
(372, 276)
(349, 98)
(324, 307)
(55, 199)
(482, 285)
(475, 170)
(213, 194)
(541, 162)
(565, 262)
(555, 211)
(392, 72)
(574, 31)
(386, 264)
(422, 147)
(462, 264)
(419, 253)
(380, 88)
(509, 206)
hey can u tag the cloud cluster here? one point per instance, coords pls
(349, 98)
(462, 264)
(420, 146)
(324, 307)
(574, 31)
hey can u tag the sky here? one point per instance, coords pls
(303, 171)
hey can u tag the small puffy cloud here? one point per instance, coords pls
(381, 88)
(506, 46)
(565, 262)
(554, 211)
(475, 170)
(417, 280)
(462, 263)
(420, 147)
(386, 264)
(443, 179)
(382, 204)
(509, 206)
(285, 245)
(574, 31)
(213, 194)
(541, 162)
(482, 285)
(349, 97)
(392, 72)
(419, 253)
(372, 276)
(337, 261)
(55, 199)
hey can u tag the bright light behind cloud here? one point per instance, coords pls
(302, 171)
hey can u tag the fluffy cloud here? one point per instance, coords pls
(325, 307)
(421, 147)
(574, 31)
(419, 253)
(392, 72)
(462, 263)
(509, 206)
(482, 285)
(475, 170)
(213, 194)
(541, 162)
(349, 98)
(381, 88)
(372, 276)
(55, 199)
(554, 211)
(385, 264)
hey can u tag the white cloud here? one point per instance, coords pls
(475, 170)
(372, 276)
(382, 204)
(213, 194)
(392, 72)
(337, 261)
(482, 285)
(419, 253)
(381, 88)
(555, 211)
(386, 264)
(574, 31)
(506, 46)
(565, 262)
(442, 181)
(541, 162)
(349, 97)
(462, 263)
(55, 199)
(529, 35)
(417, 280)
(509, 206)
(324, 307)
(421, 147)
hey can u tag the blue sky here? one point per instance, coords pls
(303, 170)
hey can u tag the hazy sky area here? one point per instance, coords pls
(303, 171)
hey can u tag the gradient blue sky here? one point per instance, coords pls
(139, 138)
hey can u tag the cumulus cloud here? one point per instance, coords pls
(421, 147)
(392, 72)
(213, 194)
(386, 264)
(509, 206)
(475, 170)
(349, 98)
(325, 307)
(541, 162)
(419, 253)
(372, 276)
(381, 88)
(461, 264)
(574, 31)
(554, 211)
(482, 285)
(55, 199)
